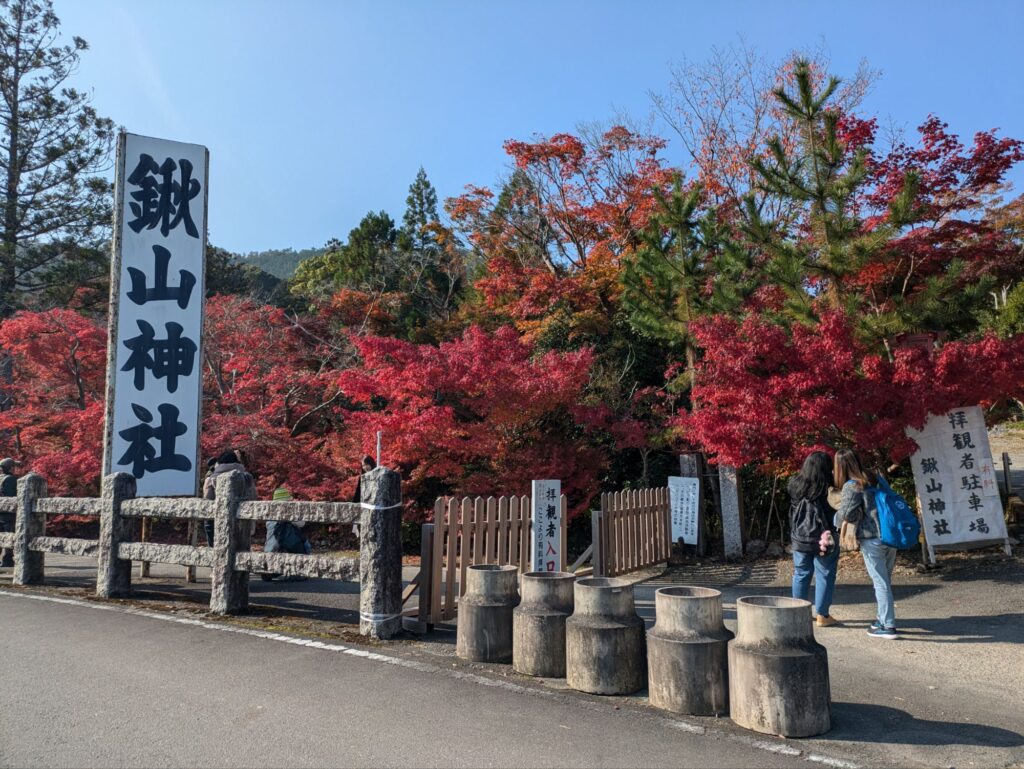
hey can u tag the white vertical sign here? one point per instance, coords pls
(956, 480)
(154, 352)
(546, 533)
(683, 495)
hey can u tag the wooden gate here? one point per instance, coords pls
(631, 531)
(468, 531)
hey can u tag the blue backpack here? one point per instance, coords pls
(898, 524)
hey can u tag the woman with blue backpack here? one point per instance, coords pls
(813, 536)
(884, 524)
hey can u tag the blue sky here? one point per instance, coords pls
(317, 111)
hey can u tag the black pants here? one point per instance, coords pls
(208, 528)
(6, 527)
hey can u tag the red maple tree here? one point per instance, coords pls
(53, 419)
(477, 415)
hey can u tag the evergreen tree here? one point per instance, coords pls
(420, 213)
(686, 266)
(367, 261)
(821, 178)
(53, 145)
(835, 252)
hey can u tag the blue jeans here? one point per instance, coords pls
(824, 568)
(880, 560)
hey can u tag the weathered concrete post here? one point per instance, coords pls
(229, 589)
(778, 673)
(604, 639)
(731, 493)
(686, 652)
(114, 576)
(538, 623)
(29, 524)
(484, 632)
(380, 554)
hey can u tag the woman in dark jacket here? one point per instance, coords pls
(811, 516)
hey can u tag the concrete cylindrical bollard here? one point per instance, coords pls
(604, 639)
(484, 632)
(778, 673)
(538, 624)
(687, 662)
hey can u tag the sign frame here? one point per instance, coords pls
(684, 522)
(539, 491)
(113, 314)
(933, 447)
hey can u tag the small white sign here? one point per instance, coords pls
(546, 534)
(683, 494)
(956, 480)
(154, 356)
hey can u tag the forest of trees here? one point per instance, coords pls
(279, 262)
(793, 282)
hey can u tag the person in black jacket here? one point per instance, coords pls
(365, 466)
(8, 488)
(811, 516)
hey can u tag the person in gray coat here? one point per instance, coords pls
(857, 506)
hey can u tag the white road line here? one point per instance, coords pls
(829, 761)
(775, 747)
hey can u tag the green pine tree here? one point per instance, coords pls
(54, 149)
(420, 213)
(686, 266)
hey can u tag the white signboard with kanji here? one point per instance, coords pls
(956, 480)
(154, 356)
(546, 533)
(683, 494)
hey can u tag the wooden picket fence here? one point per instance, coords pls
(631, 531)
(468, 531)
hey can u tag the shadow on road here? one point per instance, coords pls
(861, 722)
(998, 628)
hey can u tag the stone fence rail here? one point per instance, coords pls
(378, 568)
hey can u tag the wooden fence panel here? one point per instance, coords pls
(474, 530)
(633, 531)
(513, 531)
(493, 530)
(525, 527)
(435, 586)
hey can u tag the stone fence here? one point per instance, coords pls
(378, 568)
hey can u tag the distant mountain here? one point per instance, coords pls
(280, 262)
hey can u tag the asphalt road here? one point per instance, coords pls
(86, 687)
(949, 693)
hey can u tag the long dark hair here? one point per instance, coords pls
(849, 468)
(814, 478)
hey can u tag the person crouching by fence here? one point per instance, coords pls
(225, 463)
(285, 537)
(366, 465)
(813, 535)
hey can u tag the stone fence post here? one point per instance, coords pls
(732, 511)
(380, 554)
(29, 524)
(229, 589)
(114, 576)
